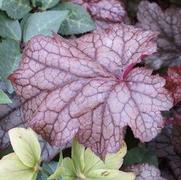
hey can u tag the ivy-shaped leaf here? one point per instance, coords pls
(78, 20)
(10, 56)
(16, 9)
(44, 4)
(168, 24)
(44, 23)
(9, 28)
(89, 88)
(104, 12)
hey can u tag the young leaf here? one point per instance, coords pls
(10, 117)
(146, 172)
(168, 24)
(91, 89)
(16, 9)
(26, 146)
(44, 4)
(9, 28)
(173, 79)
(12, 168)
(104, 12)
(4, 99)
(44, 23)
(115, 160)
(78, 20)
(86, 165)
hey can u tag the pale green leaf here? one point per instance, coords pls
(107, 174)
(92, 162)
(78, 20)
(86, 165)
(115, 160)
(16, 9)
(69, 169)
(78, 156)
(4, 99)
(9, 28)
(12, 168)
(44, 23)
(26, 146)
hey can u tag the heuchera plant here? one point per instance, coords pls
(89, 87)
(93, 74)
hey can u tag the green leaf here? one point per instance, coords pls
(9, 28)
(9, 58)
(107, 174)
(26, 146)
(86, 165)
(78, 20)
(12, 168)
(4, 99)
(43, 23)
(78, 151)
(1, 1)
(44, 4)
(140, 155)
(115, 160)
(16, 9)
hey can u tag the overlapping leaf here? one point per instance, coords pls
(104, 11)
(88, 87)
(146, 172)
(165, 150)
(11, 117)
(16, 9)
(168, 24)
(174, 82)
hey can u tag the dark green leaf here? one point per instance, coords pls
(16, 9)
(4, 99)
(43, 23)
(140, 155)
(9, 57)
(78, 20)
(44, 4)
(9, 28)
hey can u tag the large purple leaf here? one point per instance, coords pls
(168, 24)
(88, 87)
(104, 12)
(11, 117)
